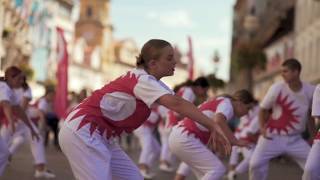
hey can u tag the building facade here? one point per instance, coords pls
(274, 36)
(93, 46)
(307, 38)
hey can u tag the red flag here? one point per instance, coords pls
(191, 59)
(61, 98)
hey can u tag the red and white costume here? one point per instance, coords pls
(187, 94)
(290, 113)
(249, 124)
(88, 134)
(6, 94)
(312, 167)
(20, 135)
(188, 141)
(23, 133)
(150, 147)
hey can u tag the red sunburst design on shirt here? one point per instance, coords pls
(91, 111)
(287, 117)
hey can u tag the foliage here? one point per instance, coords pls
(27, 69)
(49, 84)
(248, 56)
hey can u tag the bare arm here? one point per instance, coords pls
(221, 120)
(7, 108)
(263, 118)
(185, 108)
(22, 115)
(218, 139)
(25, 103)
(311, 128)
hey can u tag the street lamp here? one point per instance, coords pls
(216, 61)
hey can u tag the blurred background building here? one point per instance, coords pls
(29, 40)
(265, 33)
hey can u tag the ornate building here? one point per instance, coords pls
(93, 45)
(307, 38)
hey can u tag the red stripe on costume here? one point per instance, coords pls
(317, 135)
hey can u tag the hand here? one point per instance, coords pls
(218, 142)
(263, 132)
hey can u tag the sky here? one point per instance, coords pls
(208, 22)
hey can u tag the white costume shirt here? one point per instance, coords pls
(290, 110)
(122, 105)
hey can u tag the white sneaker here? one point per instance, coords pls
(146, 175)
(166, 168)
(44, 174)
(231, 175)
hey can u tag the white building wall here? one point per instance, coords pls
(307, 41)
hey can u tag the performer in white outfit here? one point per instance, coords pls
(150, 147)
(190, 91)
(188, 139)
(290, 102)
(249, 131)
(45, 105)
(87, 135)
(22, 133)
(10, 110)
(312, 167)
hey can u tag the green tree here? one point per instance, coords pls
(246, 57)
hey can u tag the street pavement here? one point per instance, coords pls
(21, 167)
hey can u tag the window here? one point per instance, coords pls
(89, 11)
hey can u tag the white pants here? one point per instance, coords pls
(4, 154)
(192, 151)
(96, 158)
(234, 156)
(183, 169)
(150, 147)
(312, 167)
(165, 153)
(266, 149)
(22, 134)
(243, 166)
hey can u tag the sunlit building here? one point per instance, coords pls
(307, 38)
(93, 46)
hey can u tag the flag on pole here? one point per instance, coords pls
(191, 59)
(61, 98)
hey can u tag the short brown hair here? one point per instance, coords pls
(292, 64)
(244, 96)
(151, 50)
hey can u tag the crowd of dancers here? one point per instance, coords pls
(194, 130)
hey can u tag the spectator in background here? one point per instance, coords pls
(45, 105)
